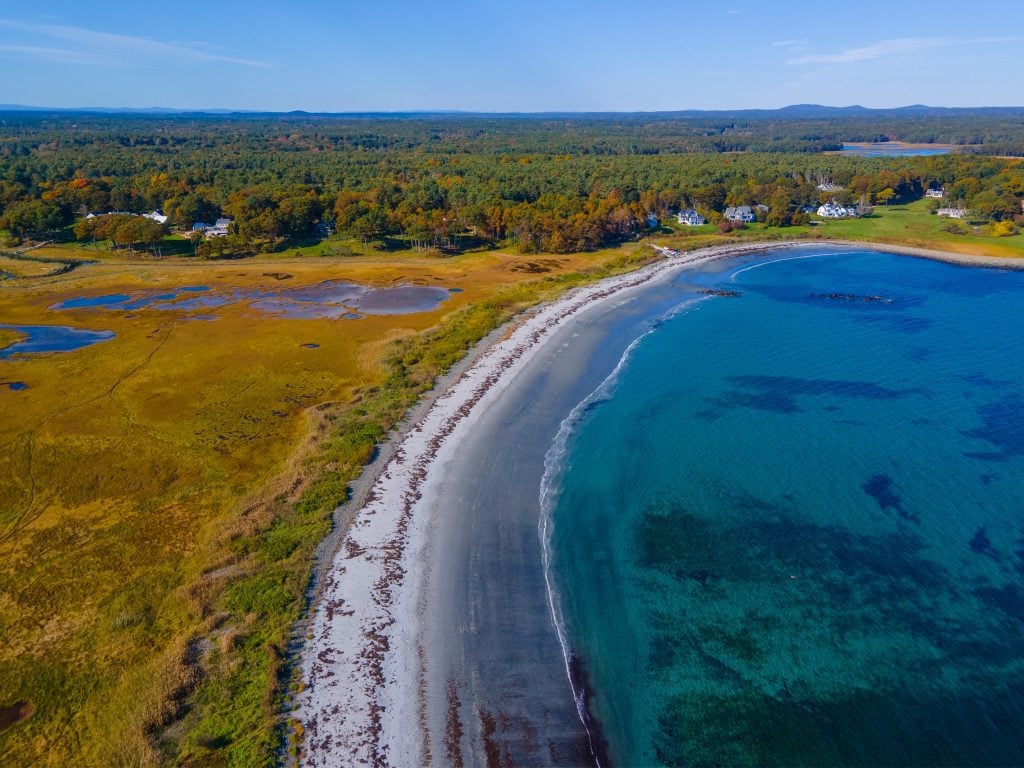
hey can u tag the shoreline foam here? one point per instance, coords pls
(364, 665)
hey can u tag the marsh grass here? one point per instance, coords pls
(163, 493)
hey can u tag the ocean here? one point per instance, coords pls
(789, 530)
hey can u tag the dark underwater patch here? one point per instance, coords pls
(981, 544)
(971, 725)
(779, 394)
(748, 706)
(985, 382)
(820, 297)
(1008, 598)
(763, 541)
(1002, 427)
(880, 488)
(831, 387)
(772, 402)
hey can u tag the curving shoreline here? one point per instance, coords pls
(950, 257)
(379, 661)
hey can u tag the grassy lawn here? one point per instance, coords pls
(913, 225)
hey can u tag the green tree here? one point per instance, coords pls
(35, 218)
(885, 196)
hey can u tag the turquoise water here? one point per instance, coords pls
(792, 531)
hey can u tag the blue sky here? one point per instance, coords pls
(530, 55)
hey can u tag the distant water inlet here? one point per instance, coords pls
(791, 533)
(892, 149)
(330, 299)
(38, 339)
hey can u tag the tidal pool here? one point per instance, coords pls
(51, 338)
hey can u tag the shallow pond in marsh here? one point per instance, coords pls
(329, 299)
(50, 338)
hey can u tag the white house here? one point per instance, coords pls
(220, 228)
(741, 213)
(938, 194)
(690, 218)
(154, 216)
(953, 213)
(828, 186)
(835, 211)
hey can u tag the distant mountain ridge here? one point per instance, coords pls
(809, 111)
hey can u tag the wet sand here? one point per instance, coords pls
(432, 639)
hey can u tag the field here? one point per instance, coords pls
(164, 489)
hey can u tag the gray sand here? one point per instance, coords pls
(489, 634)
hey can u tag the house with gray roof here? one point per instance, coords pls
(740, 213)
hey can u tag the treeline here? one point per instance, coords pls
(797, 129)
(281, 180)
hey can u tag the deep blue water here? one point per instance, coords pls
(51, 338)
(792, 531)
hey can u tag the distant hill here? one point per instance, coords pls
(794, 111)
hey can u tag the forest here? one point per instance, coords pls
(449, 182)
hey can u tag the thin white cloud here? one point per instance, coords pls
(58, 55)
(786, 43)
(125, 46)
(903, 46)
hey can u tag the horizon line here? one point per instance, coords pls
(473, 112)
